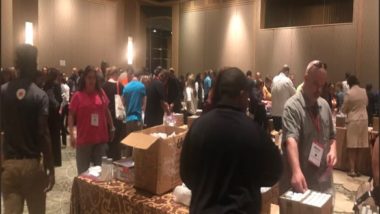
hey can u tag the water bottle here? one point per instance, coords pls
(110, 169)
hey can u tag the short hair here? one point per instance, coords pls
(368, 87)
(230, 82)
(347, 74)
(352, 81)
(26, 60)
(315, 64)
(249, 73)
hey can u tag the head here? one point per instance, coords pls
(113, 73)
(74, 71)
(259, 84)
(249, 74)
(257, 75)
(339, 86)
(157, 71)
(89, 80)
(172, 72)
(231, 87)
(346, 75)
(26, 61)
(285, 69)
(103, 67)
(130, 73)
(268, 82)
(164, 76)
(314, 80)
(352, 81)
(191, 81)
(52, 76)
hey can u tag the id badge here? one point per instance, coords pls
(316, 153)
(94, 119)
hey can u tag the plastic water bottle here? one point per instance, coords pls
(110, 169)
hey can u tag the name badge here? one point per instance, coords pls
(316, 153)
(94, 119)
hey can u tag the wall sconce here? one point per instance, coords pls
(29, 33)
(130, 50)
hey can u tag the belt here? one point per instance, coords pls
(21, 157)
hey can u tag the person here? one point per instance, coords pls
(371, 103)
(134, 96)
(226, 157)
(191, 97)
(355, 106)
(345, 85)
(52, 88)
(266, 92)
(174, 92)
(207, 83)
(199, 90)
(282, 90)
(89, 108)
(309, 136)
(111, 88)
(375, 163)
(256, 105)
(156, 100)
(249, 74)
(257, 77)
(64, 108)
(24, 111)
(73, 81)
(328, 95)
(339, 96)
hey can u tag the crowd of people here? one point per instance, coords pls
(99, 106)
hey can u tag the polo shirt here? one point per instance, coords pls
(133, 94)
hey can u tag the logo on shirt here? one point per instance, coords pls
(20, 94)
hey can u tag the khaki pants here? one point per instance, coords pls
(23, 180)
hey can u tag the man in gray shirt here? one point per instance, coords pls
(309, 136)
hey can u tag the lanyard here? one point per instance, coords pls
(316, 122)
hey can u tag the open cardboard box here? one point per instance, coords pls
(156, 160)
(305, 203)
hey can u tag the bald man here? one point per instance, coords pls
(309, 136)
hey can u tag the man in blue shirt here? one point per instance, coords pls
(134, 96)
(207, 82)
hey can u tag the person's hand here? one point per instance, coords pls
(299, 182)
(331, 158)
(51, 180)
(73, 141)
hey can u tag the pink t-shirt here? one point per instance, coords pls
(91, 111)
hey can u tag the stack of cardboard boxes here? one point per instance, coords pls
(310, 202)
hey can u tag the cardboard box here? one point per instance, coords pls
(191, 119)
(340, 121)
(156, 160)
(310, 202)
(269, 196)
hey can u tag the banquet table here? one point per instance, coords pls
(91, 196)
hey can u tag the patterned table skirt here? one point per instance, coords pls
(89, 196)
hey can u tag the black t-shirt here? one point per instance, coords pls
(22, 103)
(225, 160)
(154, 112)
(110, 88)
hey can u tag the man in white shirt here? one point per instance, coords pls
(282, 90)
(64, 108)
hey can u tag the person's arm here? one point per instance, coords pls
(346, 106)
(44, 141)
(70, 123)
(331, 156)
(111, 127)
(143, 105)
(291, 130)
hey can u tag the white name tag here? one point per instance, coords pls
(94, 119)
(316, 153)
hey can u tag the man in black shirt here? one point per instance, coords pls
(24, 121)
(226, 157)
(156, 103)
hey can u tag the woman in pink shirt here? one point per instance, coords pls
(89, 109)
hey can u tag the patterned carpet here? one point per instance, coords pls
(58, 200)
